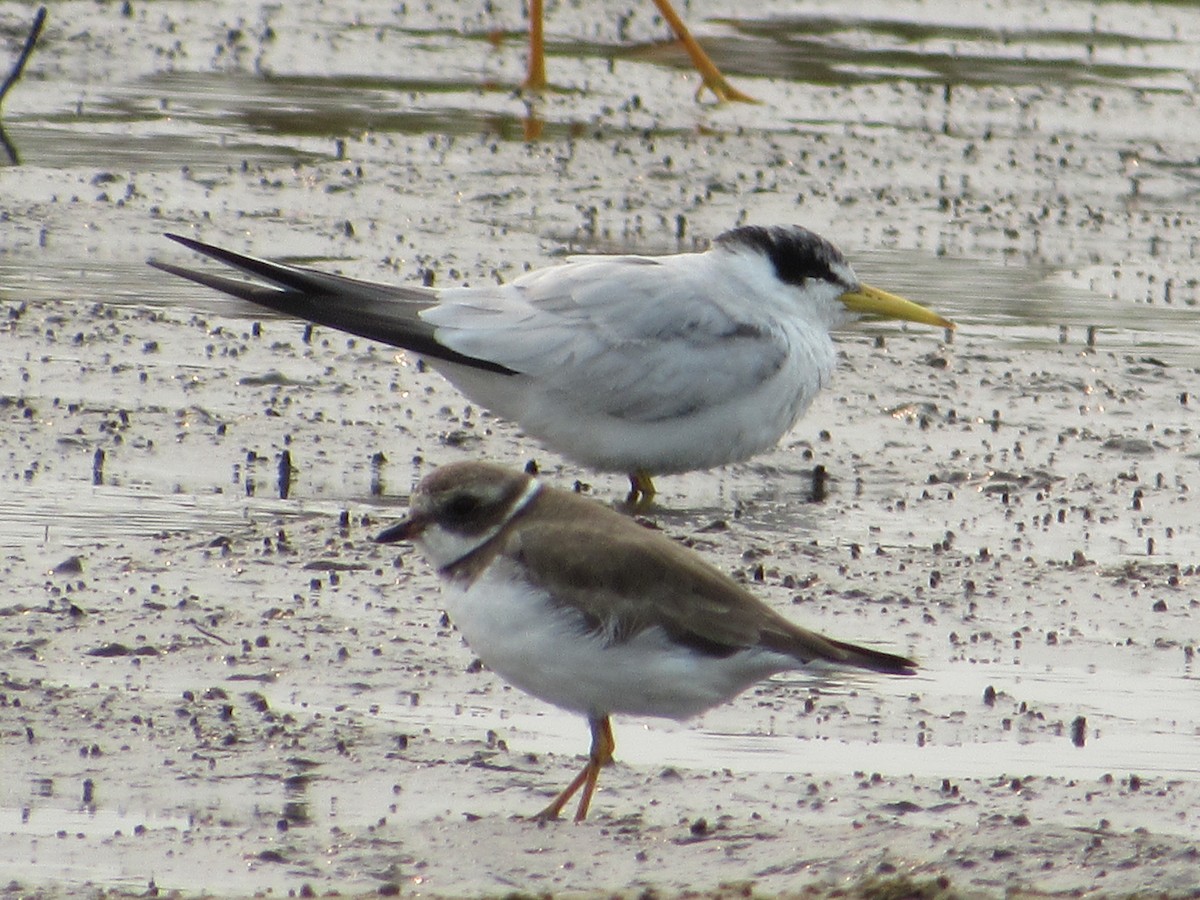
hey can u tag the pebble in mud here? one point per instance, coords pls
(1079, 731)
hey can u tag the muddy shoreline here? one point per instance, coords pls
(207, 688)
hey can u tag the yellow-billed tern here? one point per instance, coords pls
(645, 365)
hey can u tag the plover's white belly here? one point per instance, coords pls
(547, 651)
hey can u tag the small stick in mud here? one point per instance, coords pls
(209, 634)
(35, 32)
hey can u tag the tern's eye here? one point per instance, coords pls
(461, 505)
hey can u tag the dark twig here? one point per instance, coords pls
(34, 33)
(209, 634)
(9, 149)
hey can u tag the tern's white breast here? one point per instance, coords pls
(547, 650)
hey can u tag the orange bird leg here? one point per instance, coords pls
(641, 489)
(711, 76)
(535, 77)
(603, 745)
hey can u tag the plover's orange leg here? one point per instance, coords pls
(603, 745)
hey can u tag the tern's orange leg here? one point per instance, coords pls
(603, 745)
(641, 490)
(711, 76)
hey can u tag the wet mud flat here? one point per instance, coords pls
(215, 689)
(209, 687)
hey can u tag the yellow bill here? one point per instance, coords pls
(869, 301)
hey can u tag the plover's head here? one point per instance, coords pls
(460, 507)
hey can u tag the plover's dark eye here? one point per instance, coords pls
(461, 506)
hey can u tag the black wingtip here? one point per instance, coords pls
(876, 660)
(190, 243)
(168, 267)
(891, 663)
(374, 311)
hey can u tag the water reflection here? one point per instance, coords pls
(296, 808)
(30, 512)
(279, 112)
(841, 50)
(40, 818)
(1034, 305)
(1136, 722)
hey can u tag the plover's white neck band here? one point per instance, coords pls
(523, 500)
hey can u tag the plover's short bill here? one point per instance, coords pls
(584, 608)
(638, 364)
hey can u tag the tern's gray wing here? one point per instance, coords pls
(381, 312)
(639, 338)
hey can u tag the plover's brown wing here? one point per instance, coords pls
(624, 580)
